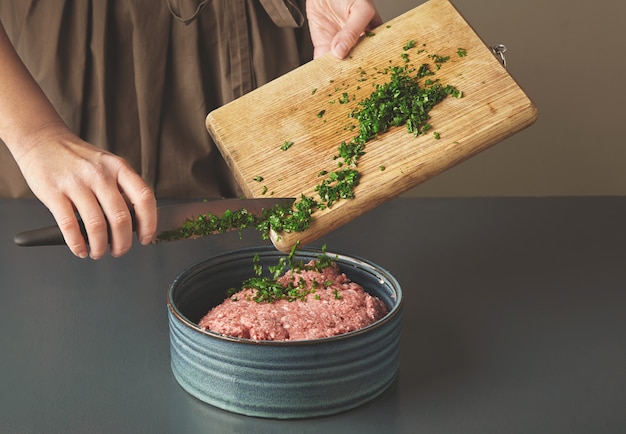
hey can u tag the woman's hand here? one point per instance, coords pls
(69, 175)
(337, 25)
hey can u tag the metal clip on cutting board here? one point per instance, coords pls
(498, 51)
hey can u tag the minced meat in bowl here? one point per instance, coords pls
(309, 301)
(281, 378)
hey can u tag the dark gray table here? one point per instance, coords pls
(515, 322)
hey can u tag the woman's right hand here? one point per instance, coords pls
(72, 176)
(68, 174)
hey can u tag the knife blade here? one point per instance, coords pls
(170, 217)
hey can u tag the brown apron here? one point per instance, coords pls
(138, 77)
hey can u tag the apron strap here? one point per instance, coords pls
(284, 13)
(179, 8)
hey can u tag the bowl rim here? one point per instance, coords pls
(270, 251)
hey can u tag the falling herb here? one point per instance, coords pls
(286, 145)
(258, 178)
(267, 288)
(461, 52)
(321, 113)
(288, 219)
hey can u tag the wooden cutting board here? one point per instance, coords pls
(251, 130)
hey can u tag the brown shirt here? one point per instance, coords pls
(138, 77)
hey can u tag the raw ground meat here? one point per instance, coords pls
(333, 309)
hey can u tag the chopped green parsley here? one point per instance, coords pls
(409, 45)
(404, 100)
(267, 288)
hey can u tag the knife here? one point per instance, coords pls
(170, 217)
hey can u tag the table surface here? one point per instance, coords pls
(515, 321)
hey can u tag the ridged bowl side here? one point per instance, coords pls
(282, 379)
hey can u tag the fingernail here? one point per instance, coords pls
(340, 50)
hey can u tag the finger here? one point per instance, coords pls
(94, 220)
(66, 219)
(320, 50)
(323, 39)
(143, 203)
(119, 222)
(359, 21)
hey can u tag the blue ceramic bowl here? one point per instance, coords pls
(280, 379)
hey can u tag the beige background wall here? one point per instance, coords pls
(569, 56)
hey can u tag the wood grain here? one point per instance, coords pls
(250, 130)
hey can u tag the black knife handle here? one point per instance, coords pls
(52, 236)
(48, 236)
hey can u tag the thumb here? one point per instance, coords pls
(358, 23)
